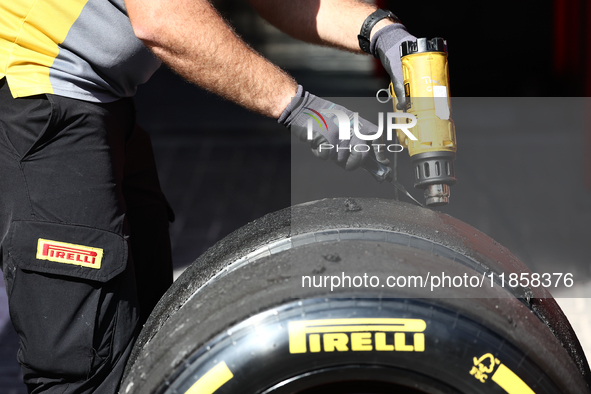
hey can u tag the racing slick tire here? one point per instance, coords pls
(262, 312)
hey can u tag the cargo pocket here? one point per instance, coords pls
(57, 294)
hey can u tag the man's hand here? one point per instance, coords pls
(324, 118)
(385, 45)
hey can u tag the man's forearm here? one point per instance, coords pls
(333, 23)
(195, 41)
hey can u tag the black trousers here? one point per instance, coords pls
(84, 238)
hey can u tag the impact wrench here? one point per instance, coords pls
(426, 97)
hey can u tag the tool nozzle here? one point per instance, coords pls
(434, 172)
(437, 195)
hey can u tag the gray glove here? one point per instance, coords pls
(324, 132)
(385, 45)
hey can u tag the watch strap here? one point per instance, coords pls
(370, 22)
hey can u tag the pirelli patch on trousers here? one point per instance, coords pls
(61, 252)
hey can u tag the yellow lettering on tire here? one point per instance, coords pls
(315, 343)
(381, 342)
(361, 341)
(336, 341)
(400, 343)
(419, 341)
(366, 334)
(503, 376)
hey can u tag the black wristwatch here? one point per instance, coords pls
(369, 23)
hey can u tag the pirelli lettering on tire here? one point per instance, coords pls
(357, 335)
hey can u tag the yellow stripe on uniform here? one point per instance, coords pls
(510, 382)
(212, 380)
(29, 37)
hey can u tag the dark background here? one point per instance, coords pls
(508, 48)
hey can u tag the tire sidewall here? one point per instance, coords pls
(265, 351)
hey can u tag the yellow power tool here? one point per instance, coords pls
(426, 97)
(426, 87)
